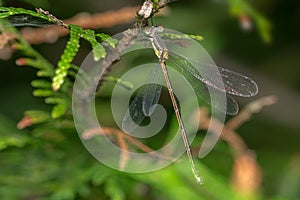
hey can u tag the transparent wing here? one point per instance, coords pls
(231, 83)
(144, 102)
(152, 91)
(204, 89)
(134, 115)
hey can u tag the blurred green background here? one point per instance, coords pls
(41, 162)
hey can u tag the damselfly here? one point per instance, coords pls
(230, 82)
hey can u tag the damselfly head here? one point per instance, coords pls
(159, 28)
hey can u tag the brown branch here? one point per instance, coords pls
(95, 131)
(107, 19)
(228, 135)
(124, 156)
(246, 173)
(121, 136)
(137, 143)
(249, 110)
(50, 34)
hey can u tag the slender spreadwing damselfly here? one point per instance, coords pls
(230, 83)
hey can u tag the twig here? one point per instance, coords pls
(52, 17)
(228, 135)
(124, 156)
(125, 15)
(249, 110)
(101, 20)
(246, 174)
(121, 136)
(110, 131)
(96, 131)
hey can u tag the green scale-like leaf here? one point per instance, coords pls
(45, 69)
(42, 93)
(60, 108)
(37, 116)
(67, 57)
(72, 48)
(41, 83)
(182, 36)
(98, 50)
(106, 38)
